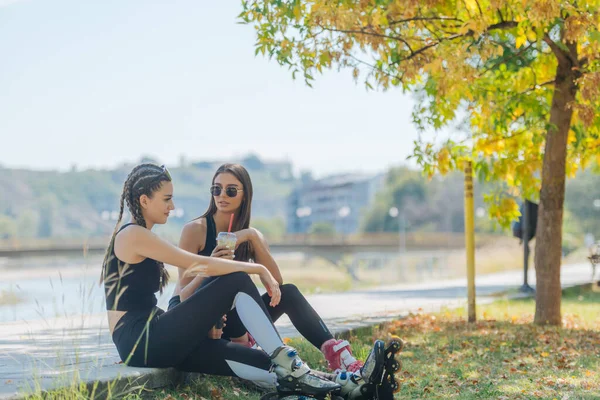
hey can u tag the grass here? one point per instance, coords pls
(502, 356)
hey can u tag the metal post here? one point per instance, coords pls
(470, 239)
(525, 227)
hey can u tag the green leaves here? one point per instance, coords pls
(496, 62)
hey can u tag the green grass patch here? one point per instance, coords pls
(502, 356)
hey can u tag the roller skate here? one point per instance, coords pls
(339, 356)
(375, 381)
(295, 380)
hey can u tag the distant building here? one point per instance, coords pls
(339, 200)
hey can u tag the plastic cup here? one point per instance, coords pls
(227, 239)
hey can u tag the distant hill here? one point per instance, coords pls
(69, 204)
(81, 203)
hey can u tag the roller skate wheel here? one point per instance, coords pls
(395, 345)
(395, 366)
(364, 389)
(395, 386)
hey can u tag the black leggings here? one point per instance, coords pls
(293, 303)
(178, 338)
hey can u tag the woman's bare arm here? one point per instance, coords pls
(192, 239)
(135, 242)
(262, 255)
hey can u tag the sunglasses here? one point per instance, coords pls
(165, 171)
(231, 191)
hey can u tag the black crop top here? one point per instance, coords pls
(136, 286)
(211, 237)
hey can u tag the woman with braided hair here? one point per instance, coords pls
(146, 336)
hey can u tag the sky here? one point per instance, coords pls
(99, 83)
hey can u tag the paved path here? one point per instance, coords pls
(49, 353)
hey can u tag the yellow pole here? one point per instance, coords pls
(470, 239)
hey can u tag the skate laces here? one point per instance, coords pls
(287, 358)
(355, 366)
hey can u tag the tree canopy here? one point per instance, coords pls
(524, 74)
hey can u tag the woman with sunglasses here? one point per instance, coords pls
(146, 336)
(231, 191)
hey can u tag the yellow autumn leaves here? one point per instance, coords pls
(493, 61)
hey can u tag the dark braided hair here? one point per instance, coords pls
(143, 179)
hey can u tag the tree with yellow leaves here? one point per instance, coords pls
(526, 74)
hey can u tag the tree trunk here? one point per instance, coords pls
(548, 247)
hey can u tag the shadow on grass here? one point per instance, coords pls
(504, 355)
(576, 294)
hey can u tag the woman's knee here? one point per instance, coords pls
(240, 279)
(289, 290)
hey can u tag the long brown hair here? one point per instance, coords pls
(143, 179)
(242, 221)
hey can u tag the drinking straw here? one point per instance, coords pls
(230, 223)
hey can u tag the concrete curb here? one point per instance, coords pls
(133, 379)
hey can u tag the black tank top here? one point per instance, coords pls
(211, 237)
(136, 283)
(211, 242)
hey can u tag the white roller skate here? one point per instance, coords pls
(295, 380)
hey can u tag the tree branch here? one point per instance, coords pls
(514, 135)
(503, 60)
(531, 89)
(376, 68)
(414, 53)
(502, 25)
(479, 7)
(402, 21)
(363, 32)
(500, 15)
(560, 55)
